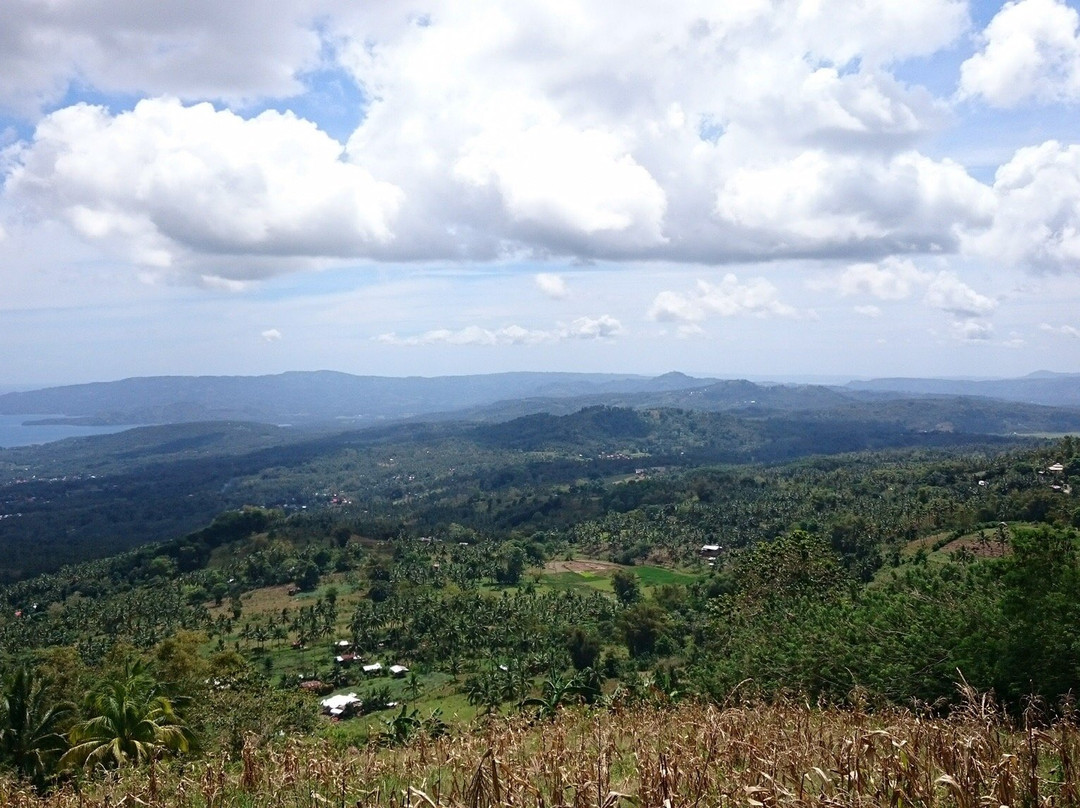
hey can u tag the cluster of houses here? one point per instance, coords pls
(346, 704)
(1058, 469)
(710, 552)
(346, 657)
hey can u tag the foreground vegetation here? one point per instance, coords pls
(814, 631)
(779, 753)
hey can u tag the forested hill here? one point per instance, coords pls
(82, 498)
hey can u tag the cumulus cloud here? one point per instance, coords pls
(495, 130)
(575, 130)
(868, 311)
(818, 201)
(602, 327)
(271, 335)
(583, 328)
(891, 279)
(239, 50)
(972, 330)
(1061, 330)
(567, 181)
(729, 298)
(1036, 221)
(167, 181)
(948, 293)
(1030, 51)
(552, 285)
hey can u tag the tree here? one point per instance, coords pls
(132, 722)
(625, 585)
(31, 730)
(511, 565)
(1041, 607)
(584, 648)
(642, 627)
(307, 576)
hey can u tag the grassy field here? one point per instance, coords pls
(589, 574)
(658, 576)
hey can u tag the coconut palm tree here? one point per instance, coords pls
(31, 729)
(132, 722)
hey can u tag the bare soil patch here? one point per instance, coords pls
(580, 566)
(990, 548)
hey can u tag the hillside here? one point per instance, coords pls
(420, 592)
(82, 498)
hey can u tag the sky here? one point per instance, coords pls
(761, 189)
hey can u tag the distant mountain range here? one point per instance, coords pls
(322, 397)
(1042, 387)
(312, 397)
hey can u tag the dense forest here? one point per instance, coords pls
(447, 582)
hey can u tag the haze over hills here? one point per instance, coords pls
(328, 396)
(307, 397)
(1041, 387)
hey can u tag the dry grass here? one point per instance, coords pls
(784, 754)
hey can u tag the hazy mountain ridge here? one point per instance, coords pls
(1036, 403)
(1041, 387)
(302, 396)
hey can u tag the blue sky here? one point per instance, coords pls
(784, 188)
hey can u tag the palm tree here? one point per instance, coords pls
(31, 730)
(133, 722)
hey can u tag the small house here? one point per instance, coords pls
(374, 669)
(336, 705)
(398, 671)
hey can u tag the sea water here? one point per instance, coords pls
(14, 432)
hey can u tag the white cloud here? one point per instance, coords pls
(891, 279)
(689, 331)
(216, 282)
(1030, 51)
(1061, 330)
(1037, 217)
(552, 285)
(972, 330)
(271, 335)
(896, 279)
(566, 181)
(948, 293)
(603, 327)
(729, 298)
(583, 328)
(165, 182)
(664, 133)
(471, 335)
(493, 130)
(237, 50)
(818, 202)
